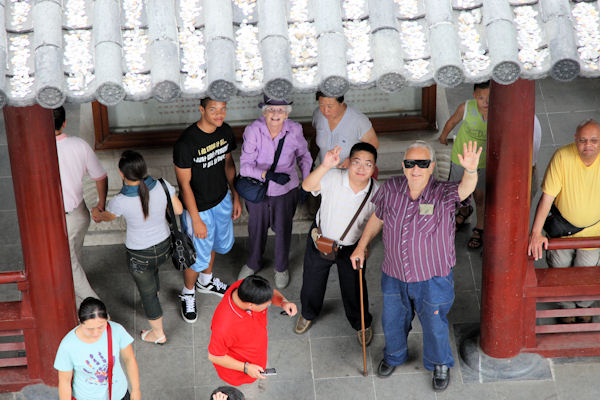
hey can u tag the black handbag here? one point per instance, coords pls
(557, 226)
(252, 189)
(183, 253)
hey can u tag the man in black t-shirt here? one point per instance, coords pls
(205, 170)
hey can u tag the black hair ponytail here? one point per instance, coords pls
(133, 167)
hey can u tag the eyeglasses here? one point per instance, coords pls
(419, 163)
(357, 164)
(593, 141)
(276, 110)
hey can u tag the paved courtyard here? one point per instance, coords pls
(326, 362)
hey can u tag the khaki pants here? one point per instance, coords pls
(78, 222)
(573, 258)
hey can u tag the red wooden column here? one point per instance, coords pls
(36, 180)
(508, 176)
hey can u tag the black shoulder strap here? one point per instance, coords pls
(170, 211)
(277, 154)
(358, 212)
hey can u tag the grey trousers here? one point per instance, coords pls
(78, 222)
(573, 258)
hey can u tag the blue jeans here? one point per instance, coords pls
(432, 301)
(143, 267)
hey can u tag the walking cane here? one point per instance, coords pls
(362, 315)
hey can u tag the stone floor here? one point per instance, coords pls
(326, 362)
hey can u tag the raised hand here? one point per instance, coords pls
(332, 157)
(469, 159)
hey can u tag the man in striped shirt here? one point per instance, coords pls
(416, 213)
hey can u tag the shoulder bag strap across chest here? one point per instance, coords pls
(358, 211)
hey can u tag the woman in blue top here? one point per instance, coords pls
(82, 358)
(142, 202)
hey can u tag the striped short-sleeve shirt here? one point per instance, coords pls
(418, 235)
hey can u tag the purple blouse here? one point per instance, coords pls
(418, 235)
(258, 152)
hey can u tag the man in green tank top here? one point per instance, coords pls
(473, 114)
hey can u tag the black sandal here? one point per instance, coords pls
(476, 242)
(464, 217)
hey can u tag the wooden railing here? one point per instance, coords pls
(19, 337)
(551, 285)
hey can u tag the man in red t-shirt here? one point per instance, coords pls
(238, 343)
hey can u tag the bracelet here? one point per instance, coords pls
(471, 171)
(246, 368)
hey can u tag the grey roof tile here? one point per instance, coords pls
(52, 51)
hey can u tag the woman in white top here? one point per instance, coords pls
(142, 202)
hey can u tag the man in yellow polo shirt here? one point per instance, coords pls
(572, 184)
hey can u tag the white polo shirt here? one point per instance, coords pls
(339, 203)
(75, 159)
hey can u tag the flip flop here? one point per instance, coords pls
(463, 221)
(143, 335)
(476, 242)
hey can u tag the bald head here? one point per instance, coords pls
(587, 140)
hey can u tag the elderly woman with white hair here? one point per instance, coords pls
(261, 140)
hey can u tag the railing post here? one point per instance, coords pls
(508, 176)
(36, 180)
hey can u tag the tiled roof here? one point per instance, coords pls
(54, 51)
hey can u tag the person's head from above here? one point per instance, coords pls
(418, 163)
(231, 393)
(481, 93)
(132, 166)
(331, 107)
(256, 291)
(275, 112)
(213, 113)
(60, 119)
(587, 140)
(363, 158)
(93, 318)
(133, 171)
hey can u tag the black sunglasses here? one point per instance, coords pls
(419, 163)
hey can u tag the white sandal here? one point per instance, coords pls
(143, 335)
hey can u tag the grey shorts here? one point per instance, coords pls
(457, 171)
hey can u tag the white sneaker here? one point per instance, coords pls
(188, 308)
(282, 279)
(214, 286)
(245, 272)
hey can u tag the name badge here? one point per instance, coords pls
(426, 209)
